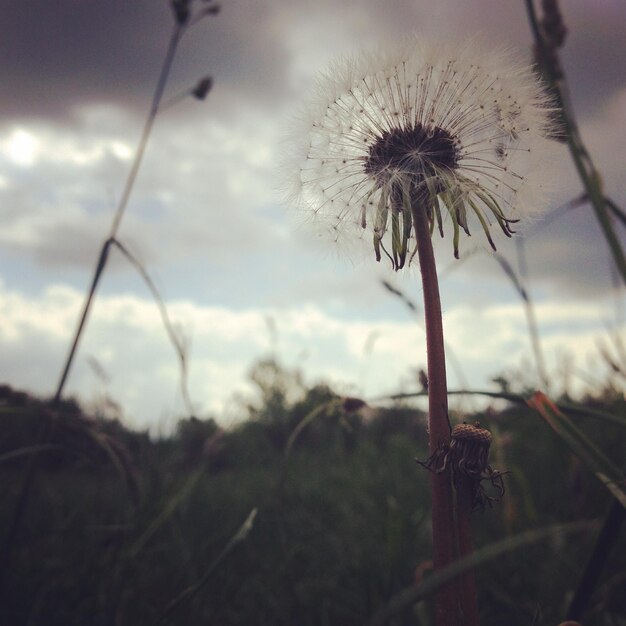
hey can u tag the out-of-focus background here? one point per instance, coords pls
(240, 279)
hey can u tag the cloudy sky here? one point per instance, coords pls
(240, 279)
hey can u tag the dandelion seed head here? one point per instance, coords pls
(457, 128)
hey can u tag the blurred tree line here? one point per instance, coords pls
(121, 528)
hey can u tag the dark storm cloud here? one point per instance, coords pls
(57, 55)
(61, 55)
(567, 255)
(595, 51)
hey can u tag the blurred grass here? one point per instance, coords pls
(347, 534)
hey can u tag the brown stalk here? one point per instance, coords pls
(464, 505)
(449, 600)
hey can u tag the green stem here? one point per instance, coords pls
(447, 600)
(531, 320)
(605, 543)
(589, 175)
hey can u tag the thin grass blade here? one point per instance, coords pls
(604, 469)
(413, 594)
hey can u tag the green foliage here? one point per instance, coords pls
(342, 523)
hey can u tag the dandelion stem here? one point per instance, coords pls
(464, 505)
(443, 526)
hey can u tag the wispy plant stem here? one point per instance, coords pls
(175, 339)
(100, 265)
(44, 435)
(121, 207)
(519, 282)
(447, 600)
(143, 142)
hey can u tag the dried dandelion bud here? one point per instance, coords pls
(467, 456)
(469, 446)
(203, 87)
(212, 10)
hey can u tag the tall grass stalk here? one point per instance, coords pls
(588, 173)
(413, 594)
(520, 282)
(604, 545)
(451, 358)
(190, 592)
(531, 318)
(547, 45)
(182, 14)
(123, 202)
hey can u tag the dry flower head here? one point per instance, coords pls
(467, 455)
(452, 129)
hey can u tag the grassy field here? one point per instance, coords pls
(122, 529)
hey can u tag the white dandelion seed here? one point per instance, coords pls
(449, 129)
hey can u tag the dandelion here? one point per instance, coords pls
(443, 129)
(397, 145)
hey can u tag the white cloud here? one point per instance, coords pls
(126, 337)
(21, 147)
(203, 217)
(200, 188)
